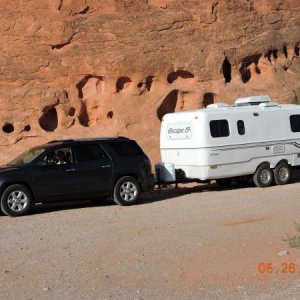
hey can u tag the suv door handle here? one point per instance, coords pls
(105, 166)
(70, 170)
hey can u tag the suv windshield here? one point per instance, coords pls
(27, 157)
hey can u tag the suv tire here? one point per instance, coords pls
(16, 200)
(127, 190)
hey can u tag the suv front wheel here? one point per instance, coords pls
(16, 200)
(127, 190)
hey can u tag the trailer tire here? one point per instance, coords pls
(282, 173)
(263, 176)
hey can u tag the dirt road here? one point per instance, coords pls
(201, 242)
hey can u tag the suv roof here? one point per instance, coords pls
(88, 139)
(69, 141)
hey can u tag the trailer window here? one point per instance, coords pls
(295, 123)
(241, 127)
(219, 128)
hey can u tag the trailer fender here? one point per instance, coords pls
(263, 163)
(282, 160)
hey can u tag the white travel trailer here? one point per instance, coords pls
(254, 137)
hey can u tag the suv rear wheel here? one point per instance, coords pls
(127, 190)
(16, 200)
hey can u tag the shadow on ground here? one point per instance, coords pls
(165, 193)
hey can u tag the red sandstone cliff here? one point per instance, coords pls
(82, 68)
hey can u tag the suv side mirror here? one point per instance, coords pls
(41, 163)
(49, 162)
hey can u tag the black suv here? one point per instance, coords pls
(88, 169)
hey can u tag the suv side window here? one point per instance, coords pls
(90, 152)
(58, 156)
(126, 148)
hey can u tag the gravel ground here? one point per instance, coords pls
(201, 242)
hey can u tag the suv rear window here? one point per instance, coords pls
(126, 148)
(90, 152)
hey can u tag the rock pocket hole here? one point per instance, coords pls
(246, 62)
(110, 114)
(80, 85)
(168, 105)
(27, 128)
(245, 74)
(71, 111)
(83, 115)
(257, 70)
(66, 95)
(226, 70)
(208, 98)
(84, 11)
(270, 53)
(284, 50)
(49, 121)
(180, 73)
(297, 49)
(149, 81)
(146, 85)
(8, 128)
(122, 83)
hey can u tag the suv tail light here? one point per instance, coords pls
(148, 164)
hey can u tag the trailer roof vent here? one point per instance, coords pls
(217, 105)
(252, 100)
(267, 104)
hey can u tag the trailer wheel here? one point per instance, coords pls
(263, 176)
(224, 182)
(282, 173)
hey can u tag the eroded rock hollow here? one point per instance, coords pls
(85, 68)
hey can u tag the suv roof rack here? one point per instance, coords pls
(61, 141)
(88, 139)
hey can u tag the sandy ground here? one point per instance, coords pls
(201, 242)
